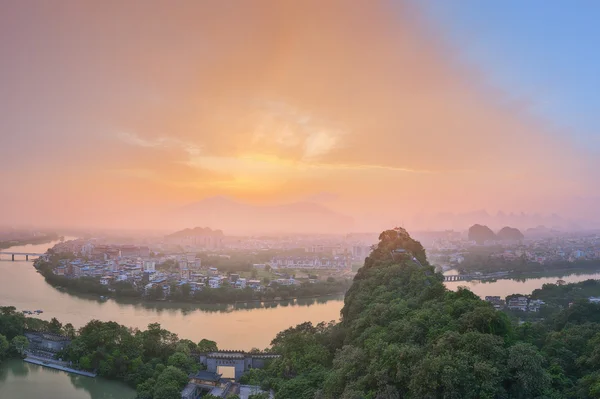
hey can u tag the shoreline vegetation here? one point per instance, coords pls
(225, 295)
(29, 241)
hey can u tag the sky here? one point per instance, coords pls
(113, 114)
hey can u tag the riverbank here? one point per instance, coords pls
(55, 365)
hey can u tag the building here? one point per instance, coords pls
(106, 280)
(518, 303)
(75, 270)
(204, 382)
(254, 284)
(185, 274)
(86, 249)
(149, 266)
(240, 283)
(204, 377)
(214, 282)
(312, 262)
(240, 361)
(360, 252)
(134, 251)
(535, 305)
(47, 343)
(496, 301)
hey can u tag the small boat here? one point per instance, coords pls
(39, 311)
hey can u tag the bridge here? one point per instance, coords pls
(457, 277)
(463, 277)
(26, 254)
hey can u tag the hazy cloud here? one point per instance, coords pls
(265, 101)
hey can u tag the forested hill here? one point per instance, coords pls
(404, 335)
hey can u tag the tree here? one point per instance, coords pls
(20, 343)
(185, 291)
(207, 346)
(528, 379)
(4, 345)
(55, 326)
(69, 331)
(168, 391)
(182, 361)
(172, 376)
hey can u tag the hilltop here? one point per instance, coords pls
(404, 335)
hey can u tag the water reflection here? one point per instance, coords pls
(522, 284)
(23, 380)
(239, 326)
(186, 308)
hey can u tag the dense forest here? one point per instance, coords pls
(402, 335)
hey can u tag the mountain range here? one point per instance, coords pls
(235, 217)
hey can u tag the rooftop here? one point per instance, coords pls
(206, 376)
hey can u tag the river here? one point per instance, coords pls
(506, 287)
(242, 326)
(23, 380)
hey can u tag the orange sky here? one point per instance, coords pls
(113, 112)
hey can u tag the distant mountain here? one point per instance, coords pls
(197, 231)
(480, 234)
(520, 220)
(237, 217)
(510, 234)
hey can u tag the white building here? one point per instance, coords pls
(106, 280)
(241, 283)
(149, 266)
(214, 282)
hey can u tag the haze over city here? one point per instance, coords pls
(328, 116)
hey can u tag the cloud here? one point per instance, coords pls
(319, 143)
(160, 142)
(271, 100)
